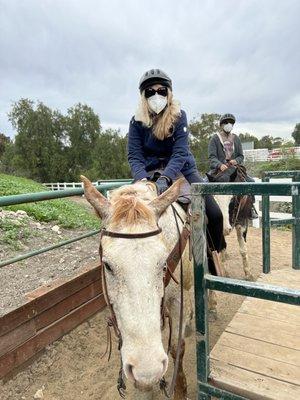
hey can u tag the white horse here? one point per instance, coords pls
(134, 272)
(241, 227)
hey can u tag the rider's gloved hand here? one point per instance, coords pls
(162, 184)
(233, 162)
(223, 167)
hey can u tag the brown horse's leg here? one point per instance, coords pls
(180, 392)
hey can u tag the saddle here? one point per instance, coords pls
(184, 198)
(234, 173)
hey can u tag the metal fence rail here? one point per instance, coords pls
(205, 281)
(49, 195)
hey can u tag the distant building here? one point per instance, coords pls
(248, 145)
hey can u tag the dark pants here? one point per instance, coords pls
(215, 236)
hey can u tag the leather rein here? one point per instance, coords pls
(170, 265)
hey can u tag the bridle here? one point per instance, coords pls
(174, 257)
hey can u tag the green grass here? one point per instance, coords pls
(14, 232)
(64, 212)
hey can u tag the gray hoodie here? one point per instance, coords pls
(216, 153)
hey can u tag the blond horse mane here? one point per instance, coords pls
(129, 205)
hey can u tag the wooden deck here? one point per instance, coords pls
(258, 355)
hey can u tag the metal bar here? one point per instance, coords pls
(280, 174)
(265, 220)
(200, 268)
(45, 249)
(219, 393)
(50, 195)
(283, 221)
(256, 188)
(296, 226)
(253, 289)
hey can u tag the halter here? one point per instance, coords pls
(174, 257)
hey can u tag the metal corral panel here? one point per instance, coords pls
(258, 355)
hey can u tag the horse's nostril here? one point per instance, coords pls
(128, 371)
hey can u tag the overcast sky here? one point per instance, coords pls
(237, 56)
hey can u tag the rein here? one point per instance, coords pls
(174, 257)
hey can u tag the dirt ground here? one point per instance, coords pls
(72, 368)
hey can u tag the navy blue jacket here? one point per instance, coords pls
(147, 153)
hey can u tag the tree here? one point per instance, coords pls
(266, 142)
(109, 157)
(201, 131)
(4, 141)
(38, 143)
(296, 134)
(81, 136)
(205, 127)
(248, 137)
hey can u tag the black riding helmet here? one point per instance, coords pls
(154, 76)
(227, 117)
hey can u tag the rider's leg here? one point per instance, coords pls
(215, 221)
(254, 214)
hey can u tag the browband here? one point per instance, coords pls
(104, 232)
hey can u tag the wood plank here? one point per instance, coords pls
(43, 338)
(241, 318)
(258, 364)
(17, 336)
(47, 296)
(260, 348)
(251, 385)
(271, 310)
(256, 328)
(65, 306)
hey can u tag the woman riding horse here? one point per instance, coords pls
(225, 153)
(158, 141)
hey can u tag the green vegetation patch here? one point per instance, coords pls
(61, 211)
(14, 232)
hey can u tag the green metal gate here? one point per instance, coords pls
(205, 281)
(294, 221)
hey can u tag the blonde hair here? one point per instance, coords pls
(161, 123)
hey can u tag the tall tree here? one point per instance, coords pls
(4, 141)
(38, 143)
(201, 131)
(81, 136)
(109, 157)
(248, 137)
(296, 134)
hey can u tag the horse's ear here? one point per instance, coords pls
(162, 202)
(95, 198)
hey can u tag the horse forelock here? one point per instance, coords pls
(129, 205)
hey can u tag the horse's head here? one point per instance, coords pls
(134, 271)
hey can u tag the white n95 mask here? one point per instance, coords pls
(157, 103)
(228, 127)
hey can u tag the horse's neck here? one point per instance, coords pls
(168, 224)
